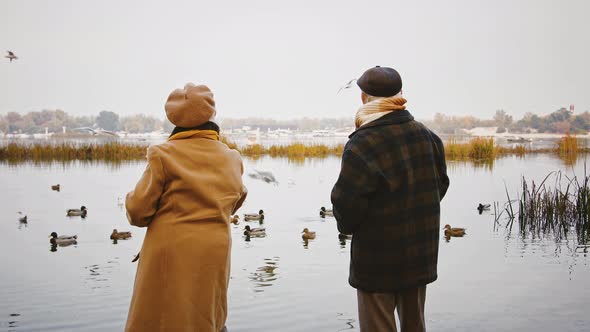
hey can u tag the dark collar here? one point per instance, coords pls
(209, 125)
(395, 117)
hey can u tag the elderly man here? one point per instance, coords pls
(392, 179)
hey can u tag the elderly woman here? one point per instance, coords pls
(191, 185)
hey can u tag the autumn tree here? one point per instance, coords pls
(108, 120)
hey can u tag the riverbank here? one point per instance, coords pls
(475, 149)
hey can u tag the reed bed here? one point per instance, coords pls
(113, 151)
(478, 150)
(560, 209)
(568, 148)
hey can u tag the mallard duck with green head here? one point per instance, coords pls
(253, 232)
(254, 216)
(62, 240)
(325, 212)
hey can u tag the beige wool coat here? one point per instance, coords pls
(184, 198)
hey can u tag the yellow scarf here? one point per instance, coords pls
(196, 133)
(375, 109)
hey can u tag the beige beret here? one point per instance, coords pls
(191, 106)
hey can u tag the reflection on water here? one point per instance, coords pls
(249, 236)
(53, 245)
(22, 224)
(305, 243)
(343, 238)
(347, 321)
(582, 249)
(99, 275)
(457, 165)
(12, 322)
(265, 275)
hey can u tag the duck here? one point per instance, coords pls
(82, 212)
(22, 219)
(326, 213)
(254, 231)
(55, 187)
(458, 232)
(115, 235)
(62, 240)
(483, 207)
(342, 236)
(235, 219)
(254, 216)
(307, 234)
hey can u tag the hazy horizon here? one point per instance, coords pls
(288, 60)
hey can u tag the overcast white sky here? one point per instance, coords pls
(287, 59)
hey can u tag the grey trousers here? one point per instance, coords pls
(376, 310)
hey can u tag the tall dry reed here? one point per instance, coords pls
(560, 209)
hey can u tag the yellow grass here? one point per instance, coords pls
(69, 151)
(567, 148)
(477, 149)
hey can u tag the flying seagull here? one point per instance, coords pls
(265, 176)
(11, 56)
(346, 86)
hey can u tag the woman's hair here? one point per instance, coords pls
(209, 125)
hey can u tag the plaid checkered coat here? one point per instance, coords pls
(392, 179)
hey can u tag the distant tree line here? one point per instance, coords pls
(560, 121)
(303, 124)
(55, 120)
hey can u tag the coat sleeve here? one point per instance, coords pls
(241, 200)
(243, 195)
(441, 166)
(350, 195)
(142, 203)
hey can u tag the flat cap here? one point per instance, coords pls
(380, 82)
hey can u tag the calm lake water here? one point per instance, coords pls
(488, 281)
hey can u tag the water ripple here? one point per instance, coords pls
(265, 275)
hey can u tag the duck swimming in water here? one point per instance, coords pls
(307, 234)
(82, 212)
(254, 216)
(62, 240)
(115, 235)
(455, 232)
(326, 213)
(253, 232)
(483, 207)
